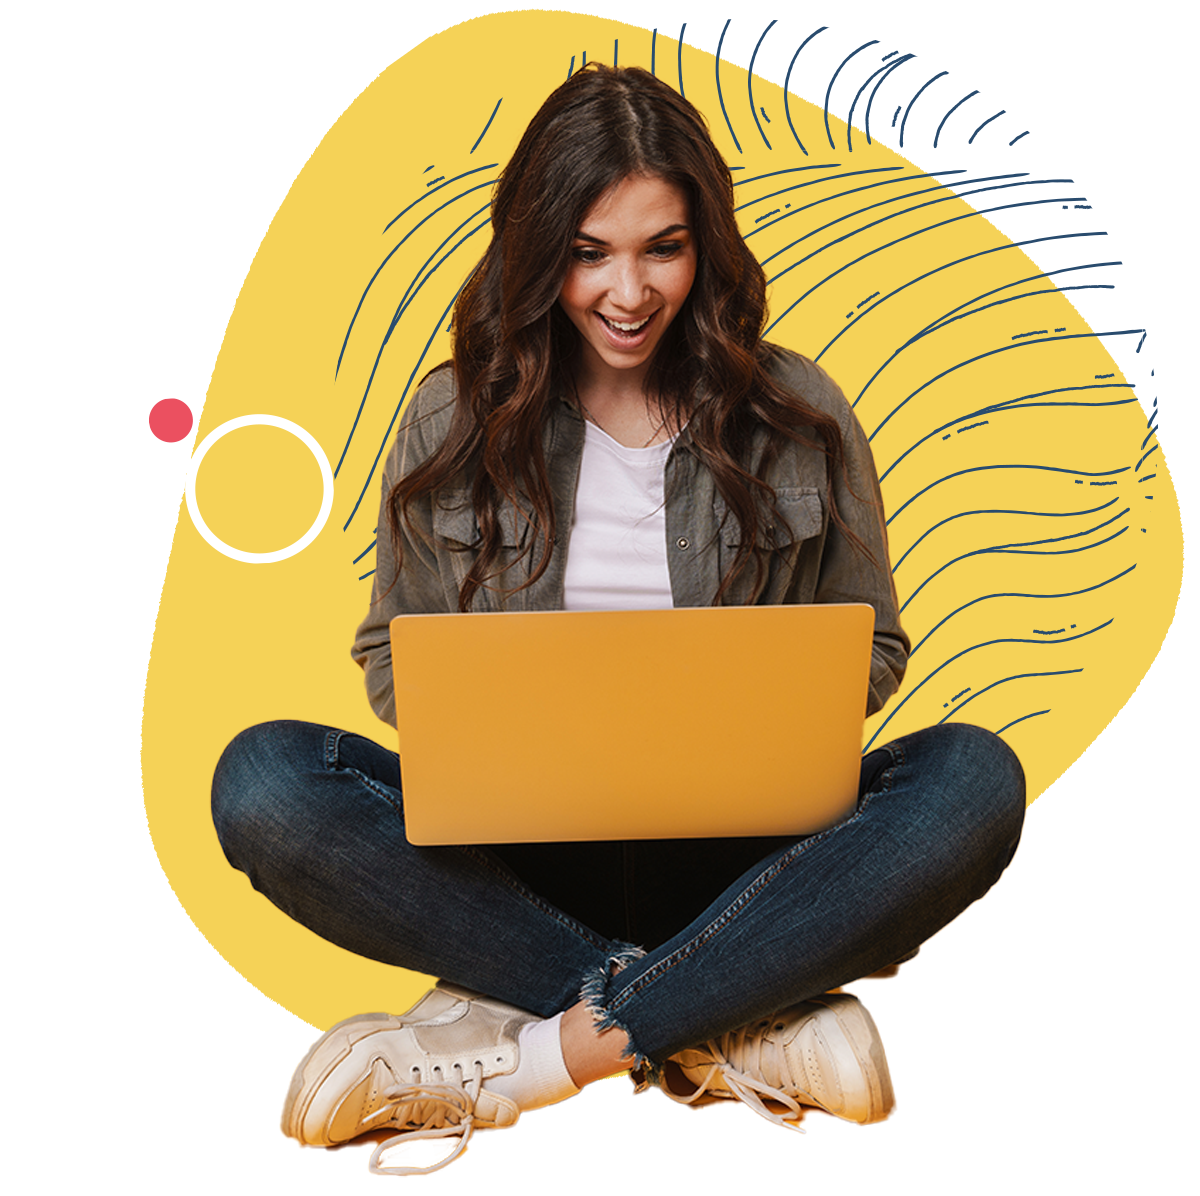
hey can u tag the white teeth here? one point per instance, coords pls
(624, 327)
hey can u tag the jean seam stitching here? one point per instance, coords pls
(752, 890)
(333, 741)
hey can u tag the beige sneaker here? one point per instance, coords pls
(825, 1053)
(420, 1073)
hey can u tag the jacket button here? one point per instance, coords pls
(683, 542)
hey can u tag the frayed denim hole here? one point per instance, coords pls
(522, 890)
(593, 993)
(731, 911)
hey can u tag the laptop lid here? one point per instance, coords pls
(545, 726)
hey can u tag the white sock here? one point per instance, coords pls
(541, 1077)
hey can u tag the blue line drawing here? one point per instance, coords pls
(984, 125)
(987, 644)
(1023, 718)
(720, 94)
(750, 84)
(833, 80)
(488, 125)
(920, 92)
(679, 58)
(787, 81)
(949, 115)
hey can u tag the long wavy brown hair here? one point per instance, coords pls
(514, 348)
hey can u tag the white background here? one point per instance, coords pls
(1044, 1041)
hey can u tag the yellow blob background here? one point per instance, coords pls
(1036, 544)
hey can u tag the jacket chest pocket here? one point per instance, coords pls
(455, 525)
(799, 517)
(456, 534)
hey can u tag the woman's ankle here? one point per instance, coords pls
(591, 1054)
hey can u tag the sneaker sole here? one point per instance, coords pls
(337, 1042)
(323, 1056)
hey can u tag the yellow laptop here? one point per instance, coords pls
(545, 726)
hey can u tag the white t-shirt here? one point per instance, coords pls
(617, 553)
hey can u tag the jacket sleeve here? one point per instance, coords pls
(846, 574)
(418, 588)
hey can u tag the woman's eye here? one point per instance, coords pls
(666, 249)
(587, 255)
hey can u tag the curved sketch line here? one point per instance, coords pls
(1004, 681)
(919, 233)
(1024, 716)
(435, 190)
(750, 84)
(787, 81)
(830, 178)
(987, 644)
(755, 178)
(1025, 548)
(875, 91)
(486, 127)
(1007, 405)
(956, 313)
(399, 406)
(906, 211)
(949, 115)
(915, 98)
(833, 79)
(1071, 336)
(950, 265)
(998, 511)
(986, 597)
(929, 203)
(409, 290)
(371, 283)
(720, 95)
(388, 336)
(883, 71)
(984, 125)
(679, 58)
(958, 473)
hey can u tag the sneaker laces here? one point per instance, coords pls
(738, 1057)
(429, 1111)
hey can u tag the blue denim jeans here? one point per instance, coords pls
(732, 929)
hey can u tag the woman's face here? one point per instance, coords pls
(632, 265)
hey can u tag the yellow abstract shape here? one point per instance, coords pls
(1034, 530)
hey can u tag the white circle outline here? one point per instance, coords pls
(270, 421)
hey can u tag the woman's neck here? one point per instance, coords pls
(627, 414)
(617, 402)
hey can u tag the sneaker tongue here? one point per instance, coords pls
(485, 1039)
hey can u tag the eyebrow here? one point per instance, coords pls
(666, 232)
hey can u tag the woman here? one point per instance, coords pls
(613, 432)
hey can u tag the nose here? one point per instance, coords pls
(630, 286)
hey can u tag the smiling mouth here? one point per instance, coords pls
(627, 328)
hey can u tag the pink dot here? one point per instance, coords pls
(170, 419)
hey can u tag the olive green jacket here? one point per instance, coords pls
(816, 563)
